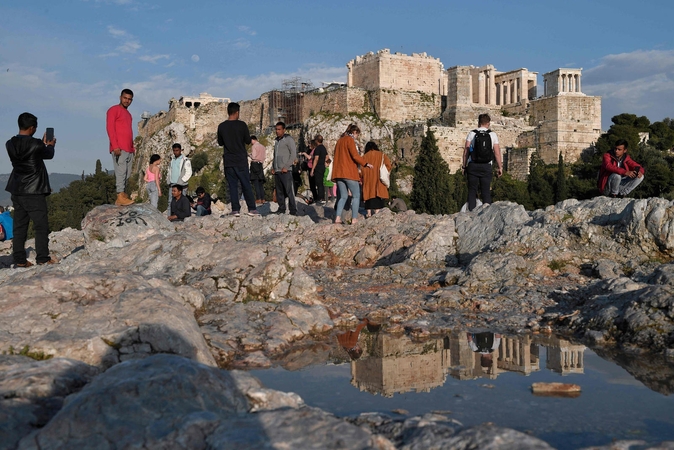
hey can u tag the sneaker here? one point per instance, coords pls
(254, 213)
(26, 264)
(279, 212)
(235, 214)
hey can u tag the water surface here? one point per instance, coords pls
(475, 380)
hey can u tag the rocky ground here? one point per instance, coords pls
(136, 297)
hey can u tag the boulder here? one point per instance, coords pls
(117, 226)
(99, 318)
(166, 401)
(32, 392)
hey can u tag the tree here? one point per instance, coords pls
(662, 135)
(199, 161)
(561, 189)
(538, 184)
(68, 207)
(510, 189)
(431, 189)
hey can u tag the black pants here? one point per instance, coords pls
(234, 176)
(284, 188)
(479, 175)
(259, 188)
(27, 208)
(316, 184)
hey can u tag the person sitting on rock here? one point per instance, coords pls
(180, 206)
(619, 174)
(397, 204)
(6, 225)
(203, 203)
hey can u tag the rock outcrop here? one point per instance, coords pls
(137, 297)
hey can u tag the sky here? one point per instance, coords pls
(67, 61)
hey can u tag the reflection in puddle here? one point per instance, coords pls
(386, 364)
(482, 378)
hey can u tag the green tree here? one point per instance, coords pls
(199, 161)
(625, 126)
(431, 189)
(538, 183)
(662, 134)
(561, 189)
(512, 190)
(68, 207)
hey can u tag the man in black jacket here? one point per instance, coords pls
(29, 186)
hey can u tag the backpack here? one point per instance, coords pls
(482, 152)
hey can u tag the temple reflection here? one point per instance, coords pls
(387, 364)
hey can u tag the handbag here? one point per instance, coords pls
(329, 177)
(384, 175)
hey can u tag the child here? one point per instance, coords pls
(152, 177)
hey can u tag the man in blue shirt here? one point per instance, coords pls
(7, 224)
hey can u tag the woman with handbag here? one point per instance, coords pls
(345, 172)
(375, 187)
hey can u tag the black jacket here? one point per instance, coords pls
(29, 174)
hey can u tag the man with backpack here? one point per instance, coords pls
(480, 150)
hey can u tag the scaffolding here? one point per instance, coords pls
(285, 104)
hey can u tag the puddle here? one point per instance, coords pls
(485, 377)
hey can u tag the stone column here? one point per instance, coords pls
(579, 89)
(480, 88)
(492, 87)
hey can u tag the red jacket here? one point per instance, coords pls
(609, 165)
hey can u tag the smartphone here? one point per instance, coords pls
(50, 134)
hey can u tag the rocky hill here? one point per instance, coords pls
(140, 312)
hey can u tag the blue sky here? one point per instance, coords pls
(66, 61)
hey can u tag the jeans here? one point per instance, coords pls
(122, 165)
(27, 208)
(285, 188)
(344, 186)
(201, 211)
(479, 175)
(619, 185)
(153, 193)
(236, 175)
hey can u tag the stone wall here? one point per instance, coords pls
(567, 123)
(451, 140)
(397, 71)
(517, 161)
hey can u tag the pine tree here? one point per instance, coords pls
(561, 189)
(431, 190)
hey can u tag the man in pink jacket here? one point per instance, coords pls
(119, 125)
(619, 174)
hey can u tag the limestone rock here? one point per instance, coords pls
(32, 392)
(98, 319)
(117, 226)
(484, 225)
(168, 401)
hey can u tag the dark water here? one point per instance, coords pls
(447, 375)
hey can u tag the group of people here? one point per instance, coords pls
(352, 172)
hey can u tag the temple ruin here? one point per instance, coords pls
(403, 91)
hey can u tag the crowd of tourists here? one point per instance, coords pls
(353, 173)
